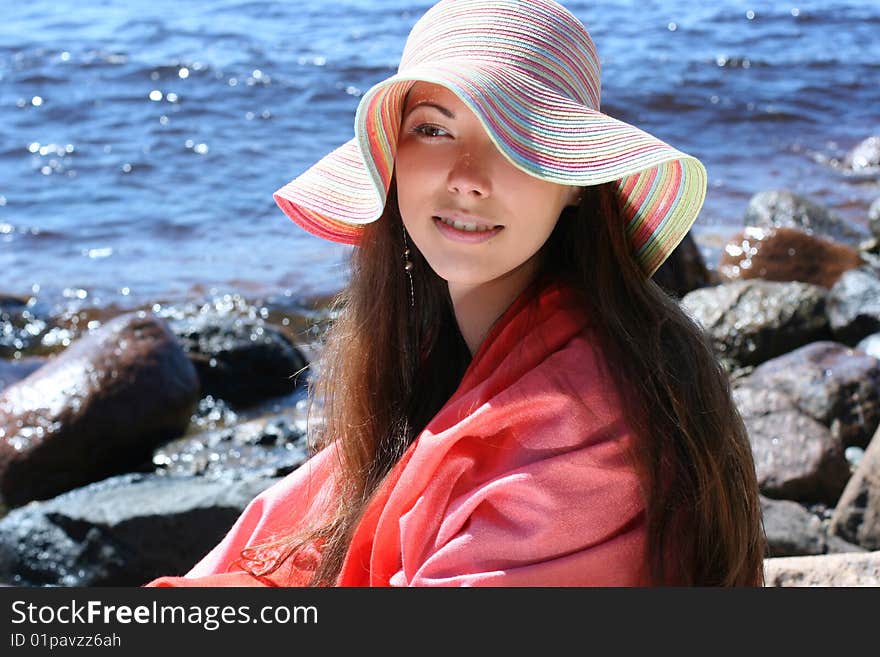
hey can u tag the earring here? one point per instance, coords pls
(408, 267)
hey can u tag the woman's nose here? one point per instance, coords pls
(469, 173)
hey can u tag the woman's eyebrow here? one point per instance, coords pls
(428, 103)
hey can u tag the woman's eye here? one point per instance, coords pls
(429, 131)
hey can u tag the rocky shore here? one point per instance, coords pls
(129, 446)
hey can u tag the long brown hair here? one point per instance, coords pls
(690, 445)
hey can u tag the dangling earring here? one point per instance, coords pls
(408, 267)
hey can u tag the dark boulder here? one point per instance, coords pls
(796, 457)
(837, 386)
(684, 270)
(749, 322)
(123, 531)
(97, 409)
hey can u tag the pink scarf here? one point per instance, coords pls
(521, 479)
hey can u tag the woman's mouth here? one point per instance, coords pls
(462, 231)
(464, 225)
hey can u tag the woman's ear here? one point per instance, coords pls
(574, 196)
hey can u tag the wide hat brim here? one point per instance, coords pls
(539, 130)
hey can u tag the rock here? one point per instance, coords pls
(97, 409)
(212, 414)
(857, 516)
(12, 371)
(684, 270)
(22, 324)
(123, 531)
(751, 321)
(865, 156)
(795, 456)
(853, 456)
(870, 345)
(836, 545)
(854, 305)
(785, 254)
(307, 319)
(833, 384)
(874, 218)
(268, 446)
(857, 569)
(240, 359)
(791, 530)
(784, 209)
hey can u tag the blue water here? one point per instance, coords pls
(140, 141)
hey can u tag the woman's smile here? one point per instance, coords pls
(462, 233)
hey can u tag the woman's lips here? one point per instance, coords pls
(466, 236)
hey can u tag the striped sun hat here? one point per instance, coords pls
(530, 72)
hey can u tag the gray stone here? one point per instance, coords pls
(784, 209)
(854, 305)
(791, 530)
(833, 384)
(795, 457)
(268, 446)
(123, 531)
(752, 321)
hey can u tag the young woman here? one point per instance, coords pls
(508, 398)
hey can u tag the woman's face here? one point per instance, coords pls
(447, 167)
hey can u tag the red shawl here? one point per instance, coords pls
(521, 479)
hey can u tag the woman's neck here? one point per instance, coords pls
(478, 307)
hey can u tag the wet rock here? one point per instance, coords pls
(240, 359)
(854, 305)
(865, 156)
(97, 409)
(855, 569)
(837, 386)
(123, 531)
(752, 321)
(785, 254)
(269, 446)
(22, 324)
(796, 457)
(306, 319)
(211, 414)
(684, 270)
(12, 371)
(857, 516)
(874, 218)
(784, 209)
(871, 345)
